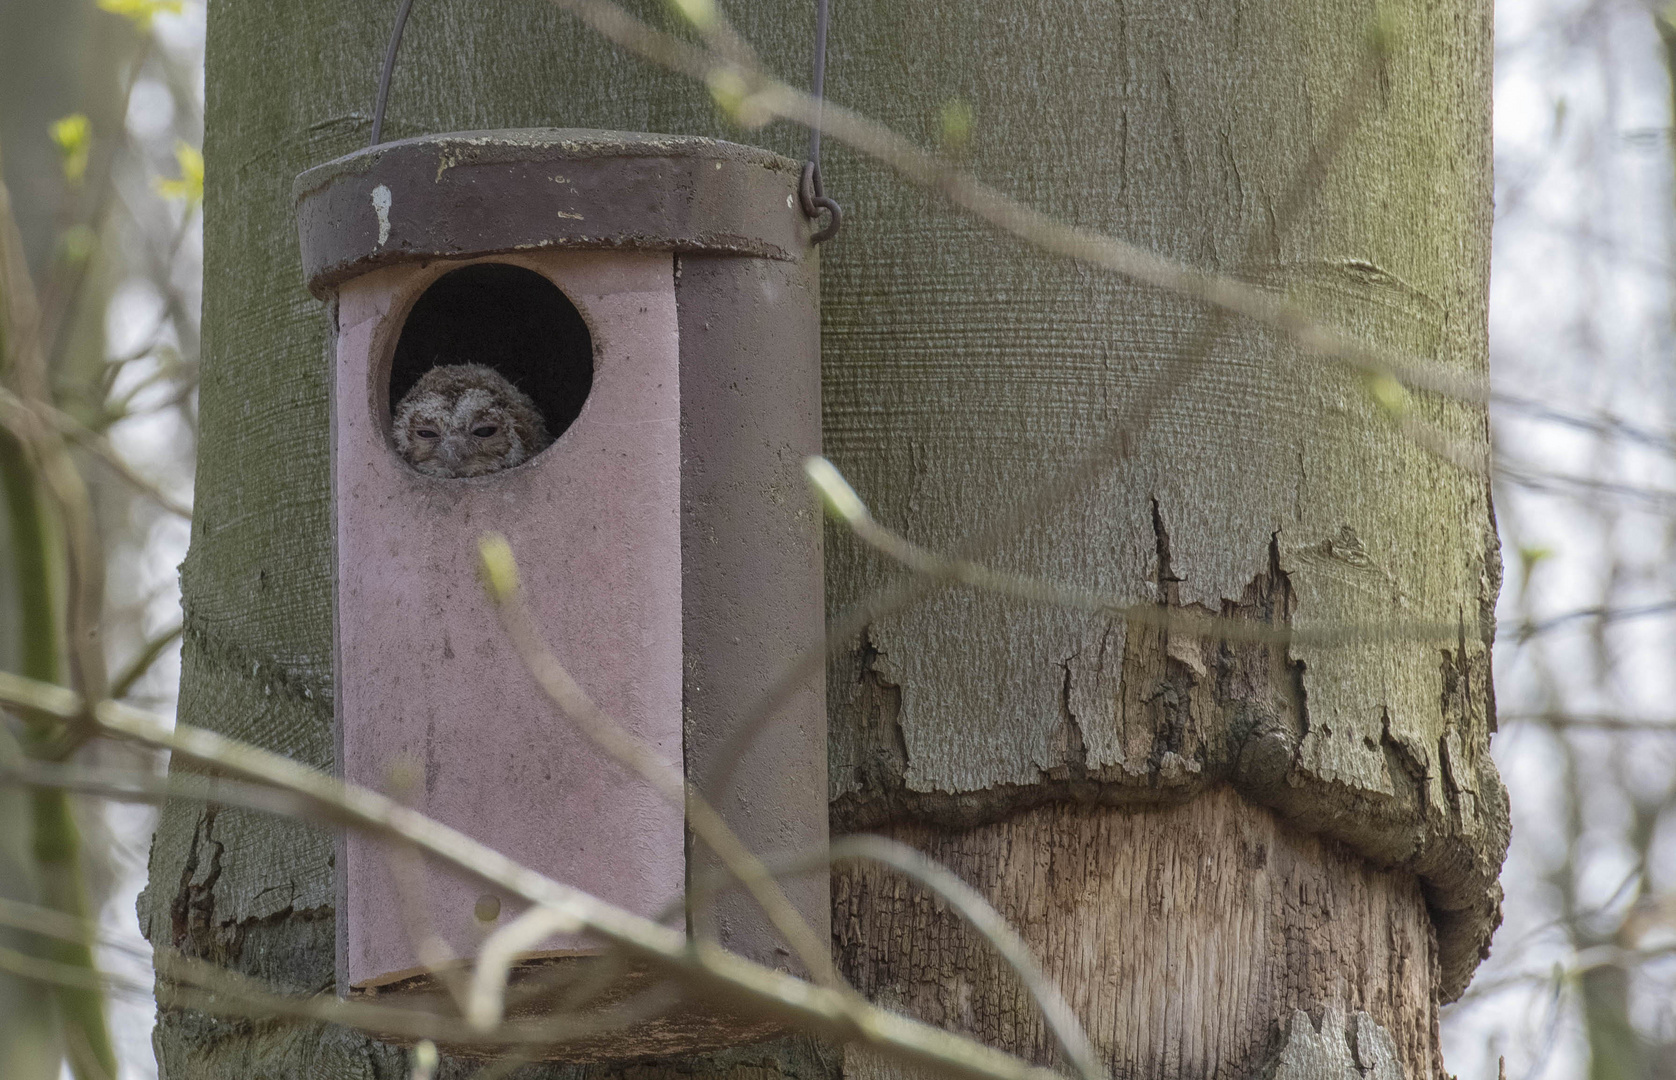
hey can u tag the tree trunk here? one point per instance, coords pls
(1201, 837)
(55, 59)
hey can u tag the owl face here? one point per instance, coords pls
(467, 420)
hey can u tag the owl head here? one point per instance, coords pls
(467, 420)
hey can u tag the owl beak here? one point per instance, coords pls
(451, 452)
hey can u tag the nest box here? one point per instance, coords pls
(656, 297)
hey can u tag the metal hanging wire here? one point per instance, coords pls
(809, 189)
(390, 52)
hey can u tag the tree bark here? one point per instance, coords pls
(1260, 483)
(1204, 838)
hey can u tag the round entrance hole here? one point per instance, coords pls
(504, 317)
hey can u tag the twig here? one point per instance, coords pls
(1135, 413)
(987, 921)
(48, 922)
(1603, 424)
(757, 97)
(845, 506)
(407, 869)
(136, 668)
(484, 1001)
(1600, 613)
(1596, 721)
(1582, 962)
(425, 1061)
(151, 788)
(978, 912)
(500, 579)
(99, 446)
(1660, 500)
(195, 984)
(705, 970)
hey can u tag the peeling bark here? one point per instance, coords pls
(1174, 716)
(1336, 1049)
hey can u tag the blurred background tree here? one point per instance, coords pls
(99, 103)
(1582, 979)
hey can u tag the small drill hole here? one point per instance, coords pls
(487, 908)
(504, 317)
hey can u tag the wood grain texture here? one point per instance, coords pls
(1184, 937)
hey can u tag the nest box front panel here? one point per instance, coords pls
(434, 704)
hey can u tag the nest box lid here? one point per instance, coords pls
(484, 192)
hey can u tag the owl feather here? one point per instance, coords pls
(467, 420)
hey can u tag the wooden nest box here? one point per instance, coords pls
(656, 298)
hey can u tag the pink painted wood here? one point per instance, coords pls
(428, 687)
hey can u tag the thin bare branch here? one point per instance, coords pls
(1660, 500)
(500, 574)
(706, 971)
(978, 912)
(135, 669)
(1600, 613)
(1135, 413)
(485, 1000)
(1603, 424)
(1591, 721)
(188, 983)
(94, 443)
(755, 97)
(847, 507)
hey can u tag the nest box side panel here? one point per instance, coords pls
(752, 570)
(430, 688)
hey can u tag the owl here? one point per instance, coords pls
(467, 420)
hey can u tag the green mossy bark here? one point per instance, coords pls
(959, 370)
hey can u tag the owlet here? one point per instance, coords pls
(467, 420)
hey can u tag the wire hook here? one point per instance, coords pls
(815, 200)
(809, 189)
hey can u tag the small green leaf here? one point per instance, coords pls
(425, 1060)
(73, 135)
(956, 123)
(840, 498)
(1389, 394)
(403, 778)
(76, 243)
(190, 186)
(1385, 33)
(701, 13)
(141, 12)
(728, 88)
(497, 567)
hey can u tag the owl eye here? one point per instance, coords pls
(484, 431)
(426, 433)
